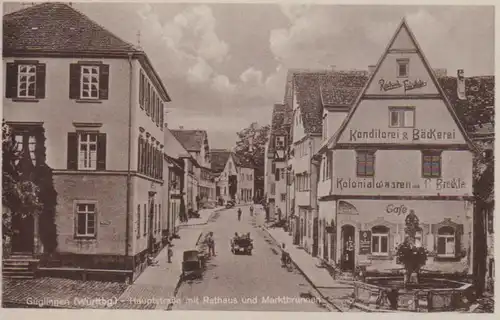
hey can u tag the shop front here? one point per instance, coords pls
(368, 232)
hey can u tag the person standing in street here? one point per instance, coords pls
(170, 253)
(251, 210)
(211, 244)
(239, 214)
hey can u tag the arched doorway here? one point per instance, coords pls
(348, 248)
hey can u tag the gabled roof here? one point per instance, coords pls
(334, 139)
(218, 159)
(314, 90)
(58, 27)
(191, 140)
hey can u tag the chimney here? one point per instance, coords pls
(440, 72)
(371, 68)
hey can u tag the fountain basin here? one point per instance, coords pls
(430, 295)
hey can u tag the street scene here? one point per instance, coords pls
(181, 157)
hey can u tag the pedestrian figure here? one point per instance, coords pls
(251, 211)
(285, 256)
(239, 214)
(170, 253)
(211, 244)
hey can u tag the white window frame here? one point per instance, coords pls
(379, 236)
(29, 80)
(401, 118)
(446, 238)
(92, 162)
(87, 212)
(84, 75)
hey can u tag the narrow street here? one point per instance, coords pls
(230, 279)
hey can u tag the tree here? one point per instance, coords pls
(250, 149)
(20, 195)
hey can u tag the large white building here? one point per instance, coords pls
(96, 105)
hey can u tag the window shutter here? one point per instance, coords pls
(74, 81)
(11, 81)
(139, 152)
(103, 81)
(40, 81)
(458, 240)
(101, 151)
(72, 151)
(277, 174)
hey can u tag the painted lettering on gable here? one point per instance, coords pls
(356, 135)
(433, 184)
(408, 85)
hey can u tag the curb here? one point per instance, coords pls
(330, 305)
(201, 223)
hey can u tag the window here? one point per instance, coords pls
(431, 164)
(277, 174)
(138, 221)
(380, 241)
(401, 117)
(25, 80)
(280, 142)
(25, 143)
(85, 220)
(418, 238)
(403, 68)
(273, 188)
(283, 197)
(87, 151)
(446, 242)
(142, 81)
(89, 82)
(365, 163)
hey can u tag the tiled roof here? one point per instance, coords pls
(57, 27)
(334, 88)
(191, 140)
(480, 92)
(218, 159)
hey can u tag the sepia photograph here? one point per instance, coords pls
(274, 156)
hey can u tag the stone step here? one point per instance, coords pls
(17, 272)
(20, 277)
(14, 268)
(15, 263)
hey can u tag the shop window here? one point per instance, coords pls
(365, 163)
(401, 117)
(380, 241)
(403, 68)
(431, 164)
(446, 242)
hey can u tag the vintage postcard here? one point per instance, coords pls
(248, 157)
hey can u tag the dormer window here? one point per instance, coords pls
(280, 142)
(403, 68)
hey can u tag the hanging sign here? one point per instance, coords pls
(365, 242)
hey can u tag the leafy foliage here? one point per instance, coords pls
(250, 147)
(20, 196)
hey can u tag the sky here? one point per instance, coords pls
(224, 65)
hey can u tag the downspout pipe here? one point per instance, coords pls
(129, 161)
